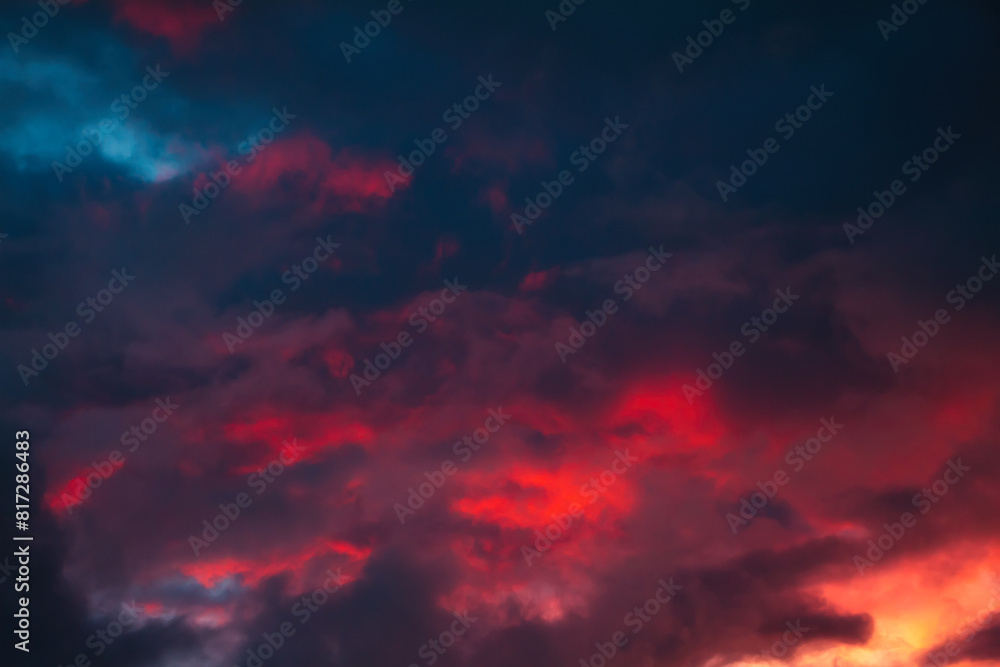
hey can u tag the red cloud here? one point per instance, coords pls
(304, 166)
(538, 280)
(181, 23)
(76, 491)
(252, 569)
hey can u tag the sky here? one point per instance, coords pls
(399, 333)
